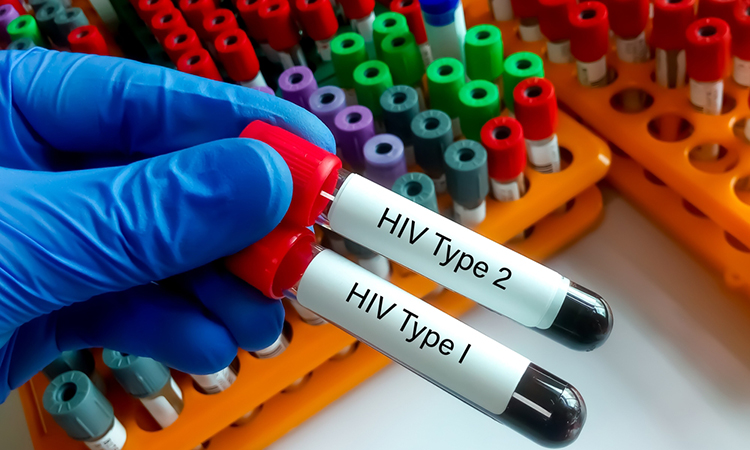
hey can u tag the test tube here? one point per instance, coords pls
(347, 52)
(432, 135)
(371, 79)
(25, 27)
(297, 84)
(7, 15)
(250, 13)
(400, 105)
(165, 22)
(369, 260)
(326, 102)
(71, 19)
(361, 14)
(741, 44)
(467, 181)
(720, 9)
(445, 77)
(671, 20)
(554, 24)
(479, 102)
(628, 19)
(319, 22)
(236, 53)
(83, 412)
(480, 269)
(88, 39)
(518, 67)
(401, 54)
(528, 13)
(418, 188)
(354, 126)
(484, 53)
(198, 62)
(150, 382)
(385, 24)
(22, 44)
(384, 159)
(536, 110)
(413, 13)
(264, 89)
(506, 156)
(502, 10)
(282, 32)
(146, 9)
(446, 28)
(180, 41)
(45, 19)
(589, 42)
(215, 23)
(194, 11)
(80, 360)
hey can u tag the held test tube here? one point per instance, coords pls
(628, 19)
(413, 13)
(467, 180)
(506, 156)
(446, 27)
(554, 24)
(589, 42)
(671, 21)
(434, 246)
(528, 12)
(536, 111)
(400, 105)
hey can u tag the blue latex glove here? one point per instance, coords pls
(79, 249)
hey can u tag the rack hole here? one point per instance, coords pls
(631, 101)
(247, 418)
(345, 352)
(713, 158)
(617, 151)
(692, 209)
(728, 103)
(297, 384)
(653, 178)
(741, 129)
(742, 189)
(670, 128)
(736, 243)
(566, 158)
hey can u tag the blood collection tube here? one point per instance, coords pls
(400, 53)
(413, 13)
(7, 15)
(554, 24)
(250, 12)
(282, 32)
(180, 41)
(628, 19)
(506, 155)
(361, 14)
(297, 84)
(217, 22)
(237, 55)
(445, 77)
(80, 360)
(326, 102)
(384, 159)
(467, 181)
(354, 126)
(518, 67)
(446, 27)
(741, 44)
(88, 39)
(536, 110)
(400, 105)
(418, 188)
(198, 62)
(671, 20)
(347, 52)
(166, 21)
(71, 19)
(502, 10)
(319, 22)
(150, 382)
(589, 42)
(216, 382)
(432, 135)
(83, 412)
(369, 260)
(528, 13)
(721, 9)
(146, 9)
(25, 27)
(385, 24)
(484, 53)
(195, 11)
(22, 44)
(264, 89)
(45, 19)
(371, 79)
(479, 102)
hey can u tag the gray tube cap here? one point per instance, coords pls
(80, 360)
(77, 406)
(36, 4)
(466, 173)
(418, 188)
(45, 18)
(358, 250)
(22, 44)
(400, 104)
(140, 377)
(433, 133)
(69, 21)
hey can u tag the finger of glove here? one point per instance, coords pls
(73, 235)
(96, 104)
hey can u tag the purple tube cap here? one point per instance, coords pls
(297, 84)
(7, 15)
(326, 102)
(354, 126)
(384, 159)
(264, 89)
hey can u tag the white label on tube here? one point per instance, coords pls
(633, 50)
(426, 51)
(544, 156)
(447, 41)
(505, 192)
(741, 71)
(364, 26)
(559, 52)
(175, 388)
(114, 439)
(161, 410)
(426, 340)
(593, 74)
(530, 33)
(707, 96)
(216, 382)
(324, 49)
(446, 252)
(502, 10)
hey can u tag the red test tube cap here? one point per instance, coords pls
(411, 10)
(671, 20)
(279, 25)
(589, 37)
(276, 262)
(536, 108)
(506, 148)
(146, 9)
(180, 41)
(357, 9)
(628, 18)
(88, 39)
(250, 12)
(318, 18)
(195, 10)
(166, 21)
(525, 8)
(217, 22)
(237, 55)
(553, 19)
(741, 31)
(721, 9)
(313, 169)
(708, 46)
(198, 62)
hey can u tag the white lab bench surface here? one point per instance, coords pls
(675, 374)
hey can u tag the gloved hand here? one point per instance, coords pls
(82, 251)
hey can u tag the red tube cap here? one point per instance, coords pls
(589, 38)
(165, 22)
(318, 18)
(410, 9)
(741, 31)
(628, 18)
(279, 25)
(276, 262)
(88, 39)
(553, 19)
(237, 55)
(195, 11)
(198, 62)
(249, 11)
(708, 46)
(314, 170)
(525, 8)
(506, 148)
(721, 9)
(146, 9)
(671, 20)
(180, 41)
(536, 108)
(217, 22)
(357, 9)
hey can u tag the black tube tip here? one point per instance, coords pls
(584, 321)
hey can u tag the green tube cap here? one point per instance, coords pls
(78, 407)
(400, 105)
(484, 53)
(480, 102)
(80, 360)
(445, 77)
(401, 54)
(466, 173)
(518, 67)
(25, 27)
(433, 133)
(418, 188)
(371, 79)
(140, 377)
(385, 24)
(347, 52)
